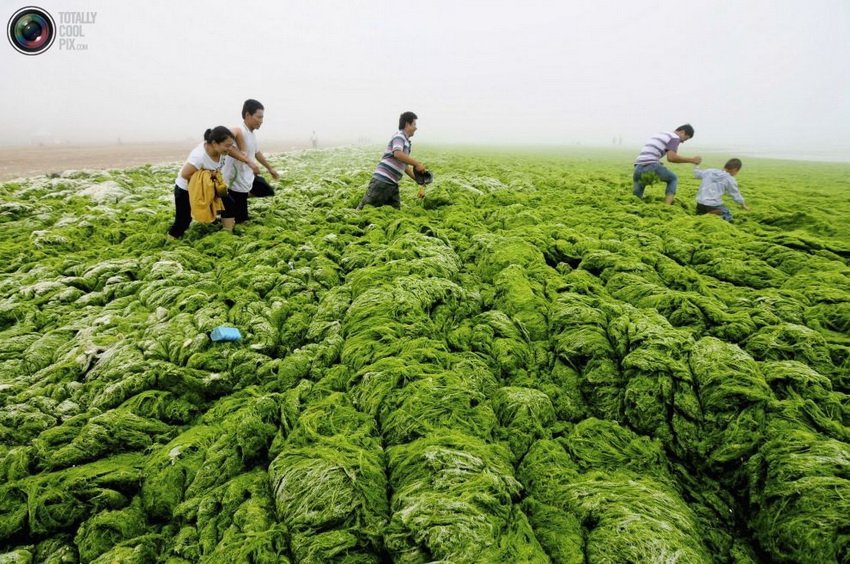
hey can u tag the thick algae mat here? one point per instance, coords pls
(528, 365)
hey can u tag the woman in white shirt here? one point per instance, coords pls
(209, 155)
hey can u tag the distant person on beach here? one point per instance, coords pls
(714, 184)
(209, 155)
(396, 161)
(649, 160)
(240, 171)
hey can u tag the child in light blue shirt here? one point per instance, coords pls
(714, 184)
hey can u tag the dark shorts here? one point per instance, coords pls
(722, 211)
(260, 189)
(381, 193)
(183, 211)
(702, 208)
(240, 205)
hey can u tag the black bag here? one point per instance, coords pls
(423, 177)
(261, 188)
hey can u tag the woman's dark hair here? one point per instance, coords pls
(218, 134)
(405, 118)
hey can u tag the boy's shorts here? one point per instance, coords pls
(724, 211)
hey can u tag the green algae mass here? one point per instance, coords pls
(526, 365)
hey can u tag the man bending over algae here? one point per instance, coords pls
(649, 160)
(240, 171)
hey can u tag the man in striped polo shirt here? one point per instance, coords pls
(383, 188)
(649, 160)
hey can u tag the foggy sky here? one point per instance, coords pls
(747, 74)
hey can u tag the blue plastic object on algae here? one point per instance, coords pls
(222, 333)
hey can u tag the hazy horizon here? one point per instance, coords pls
(752, 76)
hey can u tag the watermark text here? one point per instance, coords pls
(72, 30)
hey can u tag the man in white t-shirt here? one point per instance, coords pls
(240, 169)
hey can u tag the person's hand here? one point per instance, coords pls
(274, 174)
(697, 160)
(419, 167)
(254, 168)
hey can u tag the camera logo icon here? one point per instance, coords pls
(31, 30)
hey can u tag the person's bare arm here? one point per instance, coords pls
(673, 157)
(406, 159)
(240, 138)
(261, 158)
(188, 170)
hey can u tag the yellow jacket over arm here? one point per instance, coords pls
(203, 196)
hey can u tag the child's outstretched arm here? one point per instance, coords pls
(733, 190)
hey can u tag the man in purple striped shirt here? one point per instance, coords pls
(396, 161)
(649, 160)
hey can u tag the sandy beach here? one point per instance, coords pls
(18, 162)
